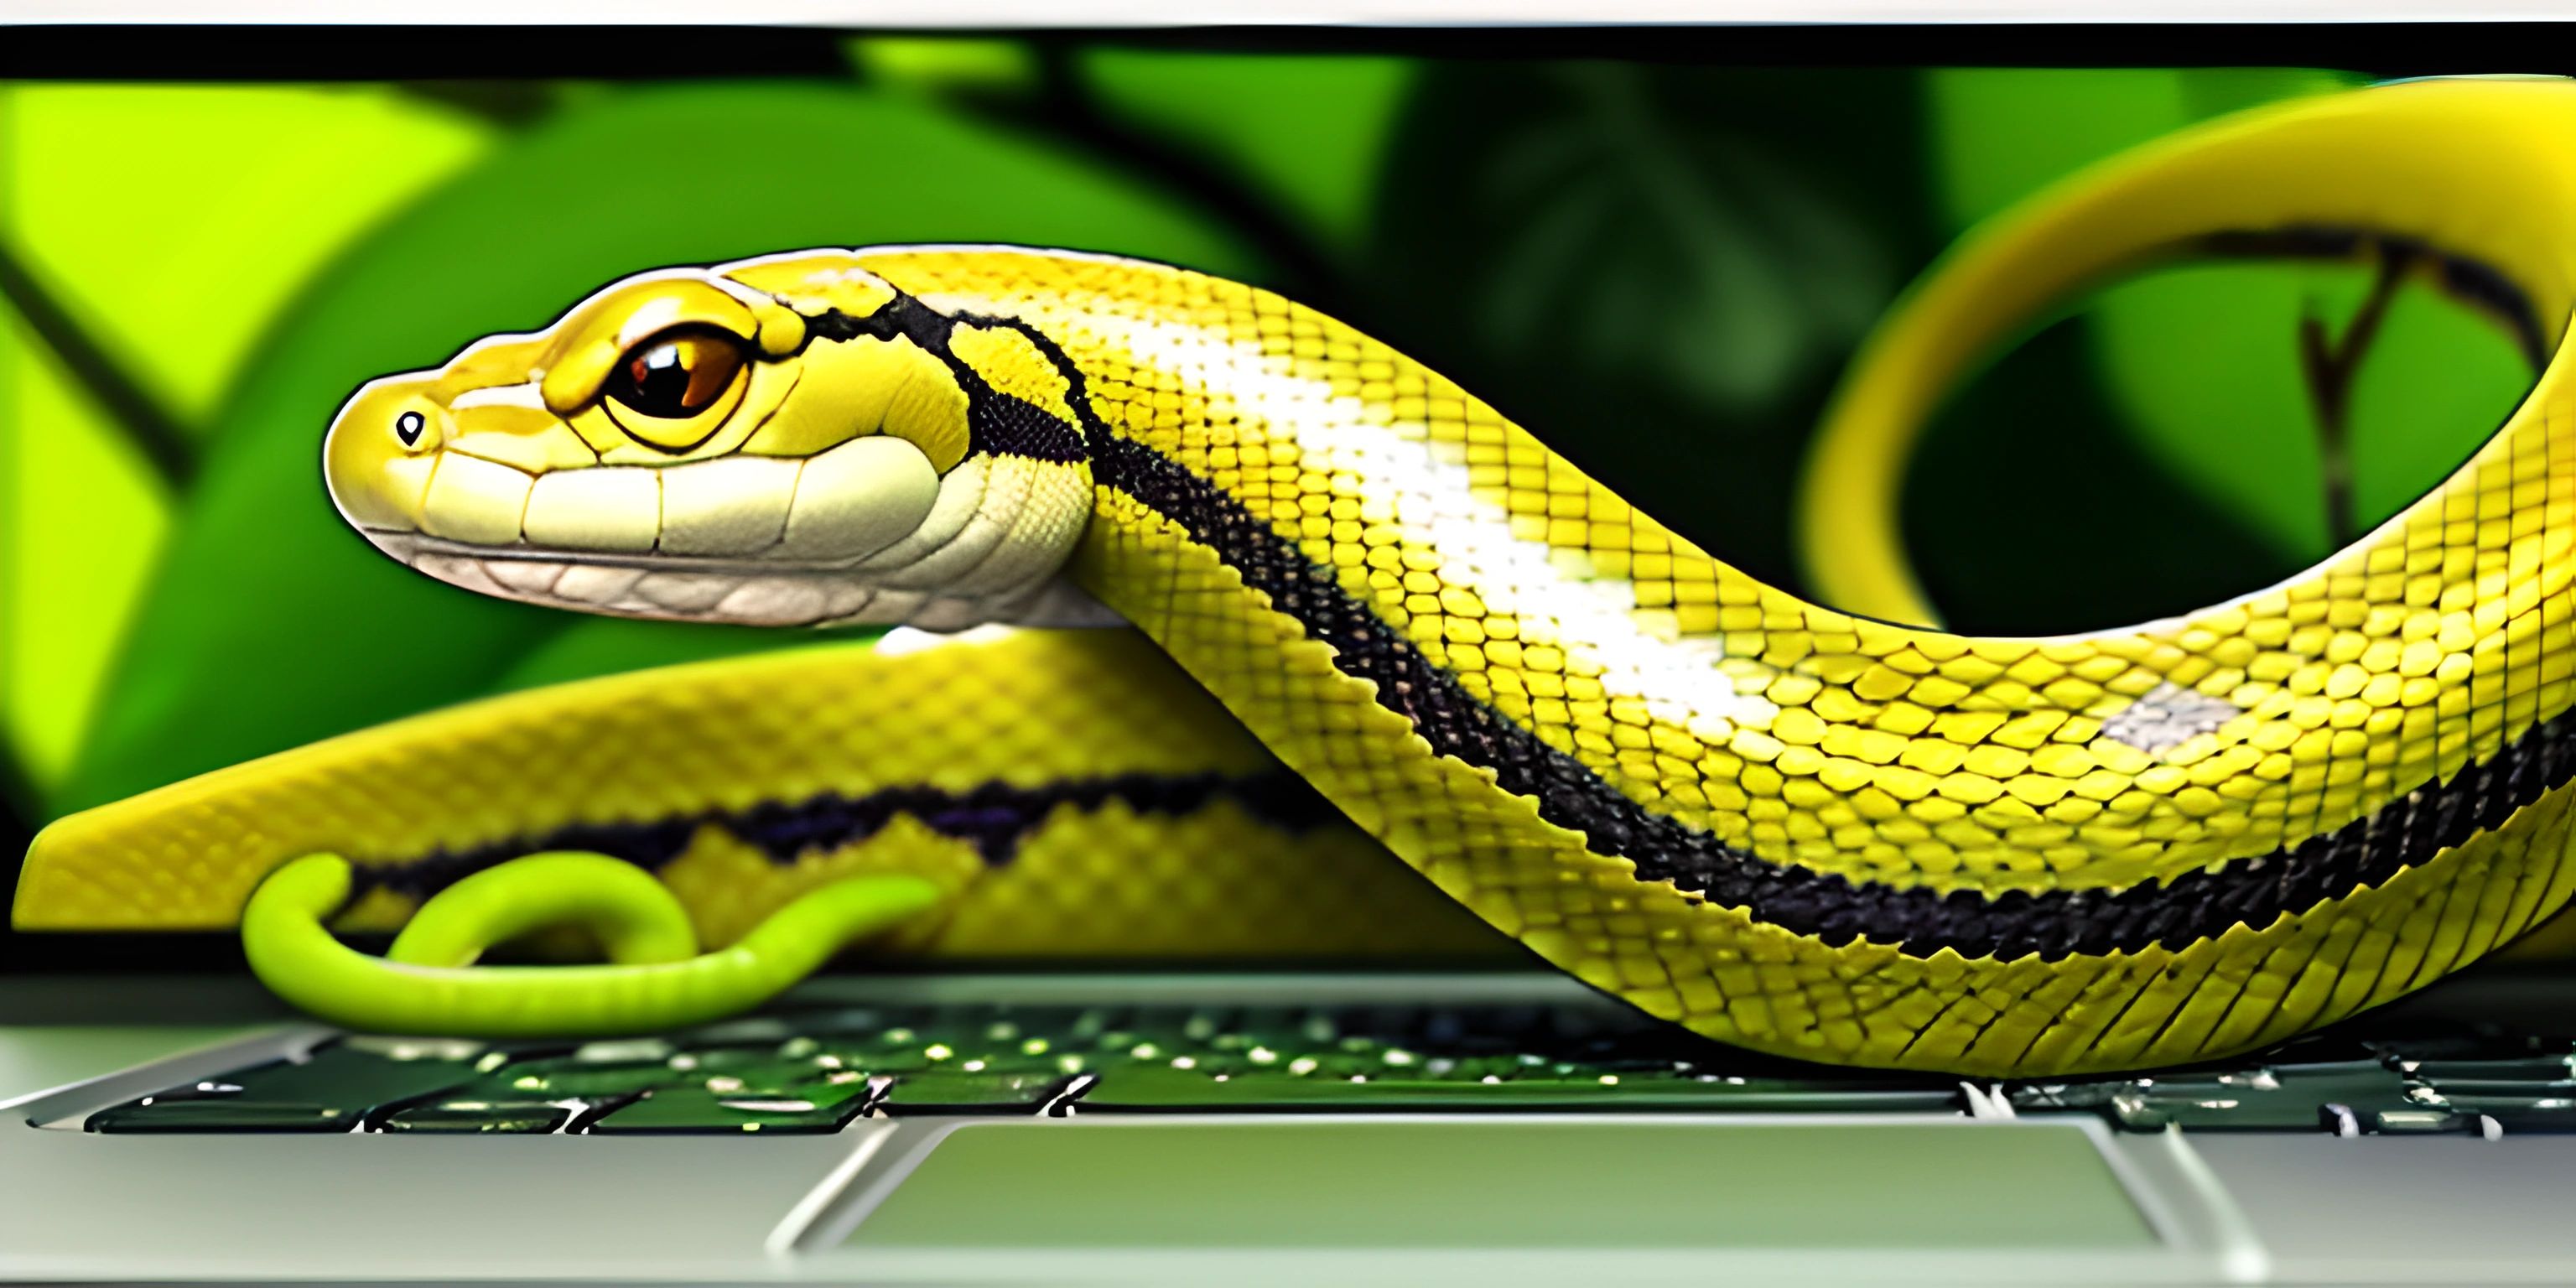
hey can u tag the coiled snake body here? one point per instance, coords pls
(1783, 825)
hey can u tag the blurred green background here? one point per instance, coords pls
(1658, 267)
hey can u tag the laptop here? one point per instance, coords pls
(171, 247)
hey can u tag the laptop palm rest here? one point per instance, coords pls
(1540, 1185)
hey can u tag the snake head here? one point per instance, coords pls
(782, 441)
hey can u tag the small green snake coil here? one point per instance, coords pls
(427, 983)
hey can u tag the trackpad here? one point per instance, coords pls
(1480, 1183)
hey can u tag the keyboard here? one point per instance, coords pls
(821, 1069)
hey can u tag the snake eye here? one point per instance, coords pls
(408, 427)
(677, 374)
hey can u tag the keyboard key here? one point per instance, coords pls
(2471, 1075)
(362, 1073)
(816, 1107)
(2520, 1115)
(482, 1117)
(625, 1051)
(698, 1061)
(2257, 1098)
(222, 1116)
(767, 1076)
(2459, 1042)
(756, 1030)
(332, 1090)
(2426, 1121)
(579, 1079)
(948, 1091)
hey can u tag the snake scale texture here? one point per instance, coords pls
(1791, 827)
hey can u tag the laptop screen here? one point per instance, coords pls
(1656, 248)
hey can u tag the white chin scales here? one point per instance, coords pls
(677, 593)
(753, 598)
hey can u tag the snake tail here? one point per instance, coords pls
(635, 918)
(424, 989)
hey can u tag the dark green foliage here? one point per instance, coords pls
(1658, 269)
(2029, 512)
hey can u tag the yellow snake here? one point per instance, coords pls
(1787, 826)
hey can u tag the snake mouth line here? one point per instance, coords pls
(762, 592)
(410, 546)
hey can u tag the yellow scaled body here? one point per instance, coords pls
(1257, 875)
(1779, 824)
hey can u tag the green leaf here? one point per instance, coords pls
(171, 223)
(2198, 364)
(272, 625)
(2204, 359)
(1307, 131)
(208, 205)
(82, 514)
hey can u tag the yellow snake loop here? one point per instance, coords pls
(634, 917)
(428, 985)
(1779, 823)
